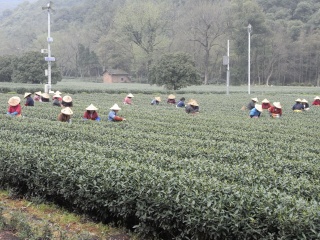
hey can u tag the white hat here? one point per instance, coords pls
(27, 94)
(67, 111)
(130, 95)
(255, 99)
(317, 97)
(158, 99)
(265, 101)
(38, 93)
(304, 101)
(258, 107)
(58, 92)
(91, 107)
(115, 107)
(298, 100)
(277, 104)
(67, 99)
(14, 101)
(171, 96)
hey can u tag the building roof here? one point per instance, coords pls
(115, 72)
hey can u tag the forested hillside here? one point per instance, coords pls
(91, 36)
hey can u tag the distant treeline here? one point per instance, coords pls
(90, 37)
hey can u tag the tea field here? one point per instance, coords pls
(170, 175)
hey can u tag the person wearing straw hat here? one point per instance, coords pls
(305, 104)
(37, 96)
(45, 97)
(265, 104)
(113, 117)
(156, 101)
(297, 107)
(29, 100)
(128, 99)
(65, 115)
(316, 101)
(91, 113)
(256, 111)
(171, 99)
(275, 111)
(181, 103)
(67, 101)
(56, 100)
(14, 109)
(252, 103)
(192, 107)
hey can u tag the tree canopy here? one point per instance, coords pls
(131, 35)
(174, 71)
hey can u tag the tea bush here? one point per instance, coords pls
(215, 175)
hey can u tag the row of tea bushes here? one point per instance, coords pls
(218, 175)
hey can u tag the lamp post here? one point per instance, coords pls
(249, 32)
(49, 59)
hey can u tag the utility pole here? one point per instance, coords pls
(49, 59)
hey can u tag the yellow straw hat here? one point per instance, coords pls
(91, 107)
(45, 95)
(193, 103)
(258, 107)
(158, 99)
(277, 104)
(67, 99)
(14, 101)
(67, 111)
(115, 107)
(27, 94)
(171, 96)
(265, 101)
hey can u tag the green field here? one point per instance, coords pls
(164, 173)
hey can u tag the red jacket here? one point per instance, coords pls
(13, 109)
(274, 110)
(266, 105)
(92, 116)
(316, 102)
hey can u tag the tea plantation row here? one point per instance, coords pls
(216, 175)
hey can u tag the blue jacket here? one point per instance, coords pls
(181, 104)
(254, 113)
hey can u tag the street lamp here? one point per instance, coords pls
(49, 59)
(249, 32)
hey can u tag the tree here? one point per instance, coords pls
(205, 26)
(145, 24)
(174, 71)
(6, 69)
(30, 68)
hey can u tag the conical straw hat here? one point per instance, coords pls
(130, 95)
(91, 107)
(14, 101)
(27, 94)
(265, 101)
(115, 107)
(171, 96)
(67, 99)
(258, 107)
(277, 104)
(67, 111)
(45, 95)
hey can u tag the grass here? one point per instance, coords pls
(26, 219)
